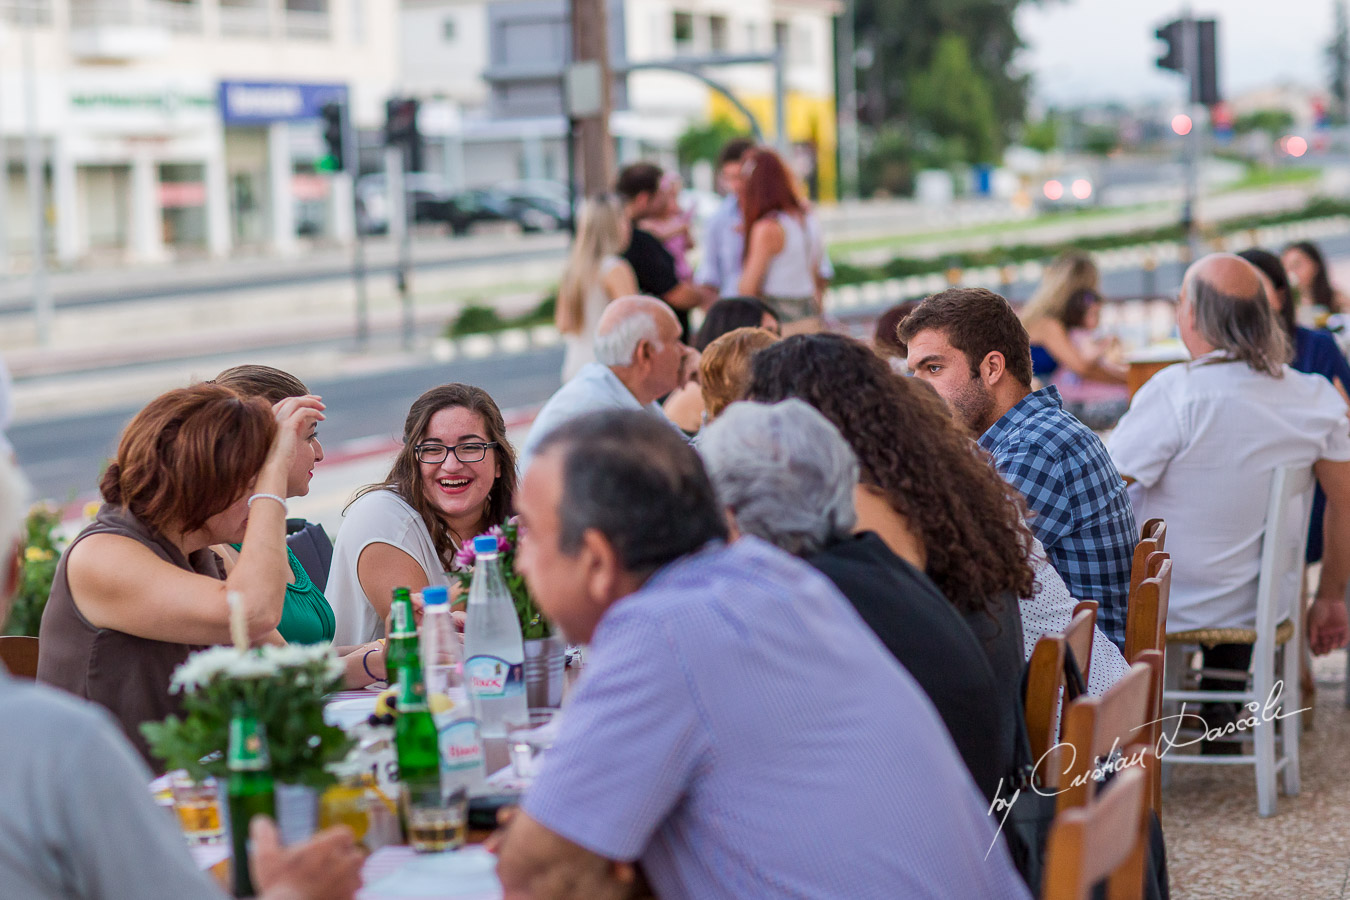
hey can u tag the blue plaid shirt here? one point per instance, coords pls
(1079, 507)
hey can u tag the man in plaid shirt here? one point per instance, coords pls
(971, 347)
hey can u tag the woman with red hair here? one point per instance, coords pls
(783, 245)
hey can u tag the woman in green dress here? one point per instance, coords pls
(306, 617)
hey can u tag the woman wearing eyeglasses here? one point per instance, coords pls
(453, 479)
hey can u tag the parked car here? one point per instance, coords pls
(549, 201)
(427, 196)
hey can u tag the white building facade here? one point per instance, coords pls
(177, 128)
(489, 69)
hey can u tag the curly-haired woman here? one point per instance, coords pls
(454, 478)
(927, 490)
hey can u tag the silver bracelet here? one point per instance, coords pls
(281, 500)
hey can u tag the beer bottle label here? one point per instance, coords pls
(402, 623)
(248, 746)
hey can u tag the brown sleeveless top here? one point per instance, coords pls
(128, 675)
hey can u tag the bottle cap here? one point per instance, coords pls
(485, 543)
(434, 594)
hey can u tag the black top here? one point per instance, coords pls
(1001, 637)
(926, 634)
(655, 270)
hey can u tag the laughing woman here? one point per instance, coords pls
(454, 478)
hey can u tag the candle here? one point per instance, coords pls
(238, 622)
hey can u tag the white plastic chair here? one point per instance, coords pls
(1279, 587)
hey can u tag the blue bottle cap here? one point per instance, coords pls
(433, 594)
(485, 543)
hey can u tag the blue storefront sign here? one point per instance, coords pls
(264, 102)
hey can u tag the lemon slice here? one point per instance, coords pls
(382, 707)
(439, 703)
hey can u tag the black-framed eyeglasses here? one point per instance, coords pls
(468, 452)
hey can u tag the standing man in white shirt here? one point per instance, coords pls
(1200, 446)
(639, 359)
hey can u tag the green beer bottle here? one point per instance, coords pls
(251, 790)
(416, 739)
(403, 632)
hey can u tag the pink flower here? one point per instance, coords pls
(464, 556)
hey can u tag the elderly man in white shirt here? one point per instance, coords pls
(639, 358)
(1201, 443)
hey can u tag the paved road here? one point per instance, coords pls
(63, 456)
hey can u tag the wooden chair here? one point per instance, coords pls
(1105, 839)
(1282, 561)
(20, 655)
(1153, 537)
(1096, 726)
(1146, 618)
(1079, 634)
(1045, 678)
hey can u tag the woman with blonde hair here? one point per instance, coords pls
(724, 368)
(1054, 311)
(595, 275)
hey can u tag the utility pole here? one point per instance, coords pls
(589, 87)
(847, 104)
(37, 194)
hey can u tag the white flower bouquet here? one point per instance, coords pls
(283, 686)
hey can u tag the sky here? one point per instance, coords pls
(1098, 50)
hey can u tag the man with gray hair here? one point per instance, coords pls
(1201, 443)
(639, 358)
(785, 475)
(68, 768)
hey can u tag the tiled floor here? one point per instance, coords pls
(1218, 848)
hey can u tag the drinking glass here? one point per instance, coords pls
(436, 821)
(198, 806)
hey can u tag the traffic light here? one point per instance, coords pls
(400, 129)
(1200, 61)
(333, 118)
(1173, 34)
(1205, 79)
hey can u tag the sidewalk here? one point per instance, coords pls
(1219, 849)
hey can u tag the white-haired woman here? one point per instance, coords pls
(594, 276)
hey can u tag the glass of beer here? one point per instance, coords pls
(197, 804)
(436, 821)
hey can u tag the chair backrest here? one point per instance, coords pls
(20, 655)
(1079, 634)
(1095, 726)
(1107, 838)
(1156, 530)
(1045, 677)
(1146, 618)
(312, 547)
(1153, 721)
(1282, 550)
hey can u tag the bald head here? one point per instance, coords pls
(1225, 306)
(1227, 274)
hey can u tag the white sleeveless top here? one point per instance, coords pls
(379, 517)
(580, 346)
(790, 273)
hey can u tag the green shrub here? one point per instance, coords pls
(42, 550)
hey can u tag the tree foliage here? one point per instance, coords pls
(952, 101)
(1338, 62)
(703, 141)
(1273, 122)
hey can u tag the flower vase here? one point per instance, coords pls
(545, 659)
(297, 812)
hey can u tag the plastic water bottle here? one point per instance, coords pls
(460, 746)
(495, 668)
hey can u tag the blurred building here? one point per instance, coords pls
(488, 73)
(180, 127)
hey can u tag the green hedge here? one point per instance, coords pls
(903, 267)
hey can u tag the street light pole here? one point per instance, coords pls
(37, 204)
(847, 103)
